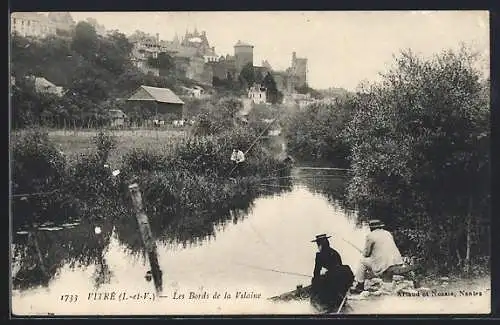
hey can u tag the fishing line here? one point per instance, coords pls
(256, 139)
(33, 194)
(273, 270)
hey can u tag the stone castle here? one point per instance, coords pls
(196, 59)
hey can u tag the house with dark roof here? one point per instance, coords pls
(157, 102)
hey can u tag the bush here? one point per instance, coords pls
(420, 155)
(315, 134)
(38, 170)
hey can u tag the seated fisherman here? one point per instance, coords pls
(380, 253)
(329, 289)
(237, 156)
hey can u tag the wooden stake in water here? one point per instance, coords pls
(147, 238)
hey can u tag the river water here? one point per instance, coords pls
(249, 256)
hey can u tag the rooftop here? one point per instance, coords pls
(161, 95)
(243, 44)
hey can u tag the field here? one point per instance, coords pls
(73, 143)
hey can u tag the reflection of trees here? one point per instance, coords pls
(193, 227)
(331, 184)
(42, 254)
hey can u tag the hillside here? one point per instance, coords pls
(93, 69)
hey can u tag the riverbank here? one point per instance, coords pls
(178, 176)
(459, 296)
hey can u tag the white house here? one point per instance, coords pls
(257, 94)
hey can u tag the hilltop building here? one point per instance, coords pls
(31, 24)
(38, 25)
(62, 20)
(190, 53)
(196, 59)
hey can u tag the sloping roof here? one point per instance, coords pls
(240, 43)
(161, 95)
(42, 82)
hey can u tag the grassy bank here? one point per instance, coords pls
(181, 178)
(74, 143)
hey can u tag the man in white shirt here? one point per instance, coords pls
(379, 254)
(237, 156)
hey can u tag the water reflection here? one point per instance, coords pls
(40, 254)
(332, 184)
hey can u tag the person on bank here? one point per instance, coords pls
(237, 156)
(380, 253)
(329, 289)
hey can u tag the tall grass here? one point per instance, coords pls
(188, 186)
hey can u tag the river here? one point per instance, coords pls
(249, 256)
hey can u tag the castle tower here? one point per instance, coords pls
(299, 70)
(243, 54)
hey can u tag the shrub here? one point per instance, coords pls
(38, 170)
(420, 155)
(316, 133)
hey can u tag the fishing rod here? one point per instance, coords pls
(274, 270)
(356, 247)
(256, 139)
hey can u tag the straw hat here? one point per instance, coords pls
(375, 224)
(320, 237)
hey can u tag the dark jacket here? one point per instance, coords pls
(327, 258)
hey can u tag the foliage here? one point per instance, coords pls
(420, 155)
(316, 133)
(247, 76)
(38, 170)
(305, 89)
(217, 117)
(272, 94)
(93, 70)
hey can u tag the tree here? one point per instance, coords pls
(247, 75)
(420, 155)
(316, 134)
(271, 88)
(85, 40)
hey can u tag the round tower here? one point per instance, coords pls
(243, 54)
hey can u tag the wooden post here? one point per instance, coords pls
(147, 238)
(32, 234)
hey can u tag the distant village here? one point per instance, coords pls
(193, 56)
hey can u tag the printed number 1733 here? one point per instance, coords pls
(69, 298)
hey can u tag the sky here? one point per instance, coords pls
(343, 48)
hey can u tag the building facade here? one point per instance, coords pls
(32, 24)
(298, 70)
(62, 20)
(257, 94)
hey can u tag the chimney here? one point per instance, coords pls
(294, 56)
(157, 38)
